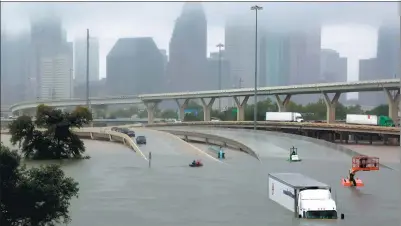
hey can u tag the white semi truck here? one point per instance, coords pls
(372, 120)
(284, 116)
(304, 196)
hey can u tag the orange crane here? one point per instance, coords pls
(360, 163)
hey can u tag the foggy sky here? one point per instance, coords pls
(349, 26)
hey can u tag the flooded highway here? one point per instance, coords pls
(118, 188)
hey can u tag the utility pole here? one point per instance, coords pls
(220, 46)
(87, 70)
(255, 110)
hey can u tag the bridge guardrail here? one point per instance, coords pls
(213, 139)
(290, 125)
(104, 135)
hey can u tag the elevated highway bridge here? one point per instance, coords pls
(282, 94)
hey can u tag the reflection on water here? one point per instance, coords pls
(118, 188)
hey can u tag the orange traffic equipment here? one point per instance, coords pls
(365, 163)
(360, 163)
(348, 183)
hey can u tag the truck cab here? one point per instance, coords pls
(385, 121)
(316, 204)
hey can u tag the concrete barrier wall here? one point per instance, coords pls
(104, 135)
(212, 139)
(290, 125)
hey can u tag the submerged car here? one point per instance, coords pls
(130, 133)
(141, 140)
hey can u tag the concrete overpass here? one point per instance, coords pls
(282, 93)
(77, 102)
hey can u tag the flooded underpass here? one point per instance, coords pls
(117, 187)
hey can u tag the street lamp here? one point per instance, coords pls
(220, 46)
(71, 83)
(255, 110)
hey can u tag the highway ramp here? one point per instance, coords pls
(270, 144)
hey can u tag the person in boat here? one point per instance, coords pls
(363, 162)
(221, 152)
(193, 162)
(198, 162)
(293, 151)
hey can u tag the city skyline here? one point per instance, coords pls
(286, 55)
(354, 40)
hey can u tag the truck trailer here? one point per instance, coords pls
(372, 120)
(304, 196)
(284, 116)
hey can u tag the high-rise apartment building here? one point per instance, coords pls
(80, 50)
(188, 50)
(134, 66)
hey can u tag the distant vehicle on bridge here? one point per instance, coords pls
(284, 116)
(372, 120)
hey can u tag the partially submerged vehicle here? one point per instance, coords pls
(304, 196)
(360, 163)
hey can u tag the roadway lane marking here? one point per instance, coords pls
(187, 143)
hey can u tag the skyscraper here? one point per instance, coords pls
(80, 60)
(15, 68)
(388, 52)
(51, 55)
(134, 66)
(304, 63)
(333, 68)
(274, 59)
(368, 70)
(56, 77)
(384, 66)
(240, 51)
(188, 50)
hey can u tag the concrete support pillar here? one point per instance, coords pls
(182, 108)
(150, 108)
(282, 104)
(393, 103)
(331, 106)
(241, 107)
(207, 107)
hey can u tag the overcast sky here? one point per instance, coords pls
(349, 28)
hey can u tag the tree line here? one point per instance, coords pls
(41, 195)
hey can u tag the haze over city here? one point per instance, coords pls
(351, 29)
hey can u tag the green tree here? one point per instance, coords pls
(143, 114)
(379, 110)
(38, 196)
(56, 141)
(168, 114)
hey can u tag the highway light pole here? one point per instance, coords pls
(87, 69)
(220, 46)
(255, 109)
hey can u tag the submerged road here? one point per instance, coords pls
(118, 188)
